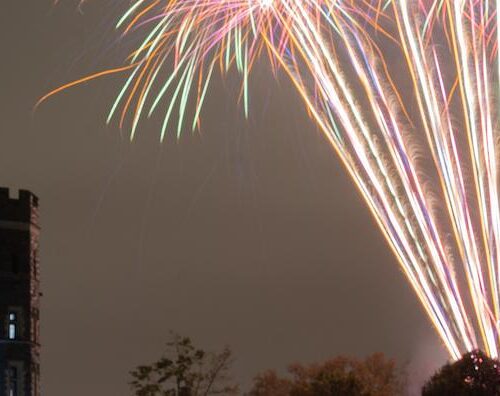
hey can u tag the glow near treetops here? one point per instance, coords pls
(419, 135)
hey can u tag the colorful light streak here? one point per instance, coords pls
(429, 175)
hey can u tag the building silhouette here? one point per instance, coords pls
(19, 295)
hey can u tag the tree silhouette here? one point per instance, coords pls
(475, 374)
(373, 376)
(184, 371)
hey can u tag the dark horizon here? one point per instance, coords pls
(248, 233)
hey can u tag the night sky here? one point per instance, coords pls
(248, 233)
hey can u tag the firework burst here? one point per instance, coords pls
(429, 175)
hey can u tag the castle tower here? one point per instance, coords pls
(19, 295)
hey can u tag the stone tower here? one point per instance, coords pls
(19, 295)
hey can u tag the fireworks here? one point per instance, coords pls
(429, 175)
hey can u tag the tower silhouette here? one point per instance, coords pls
(19, 295)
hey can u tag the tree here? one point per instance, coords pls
(184, 370)
(475, 374)
(328, 383)
(374, 376)
(268, 383)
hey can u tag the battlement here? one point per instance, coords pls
(24, 208)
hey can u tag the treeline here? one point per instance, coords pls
(185, 370)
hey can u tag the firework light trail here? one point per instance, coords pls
(429, 175)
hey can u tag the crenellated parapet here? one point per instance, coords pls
(23, 208)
